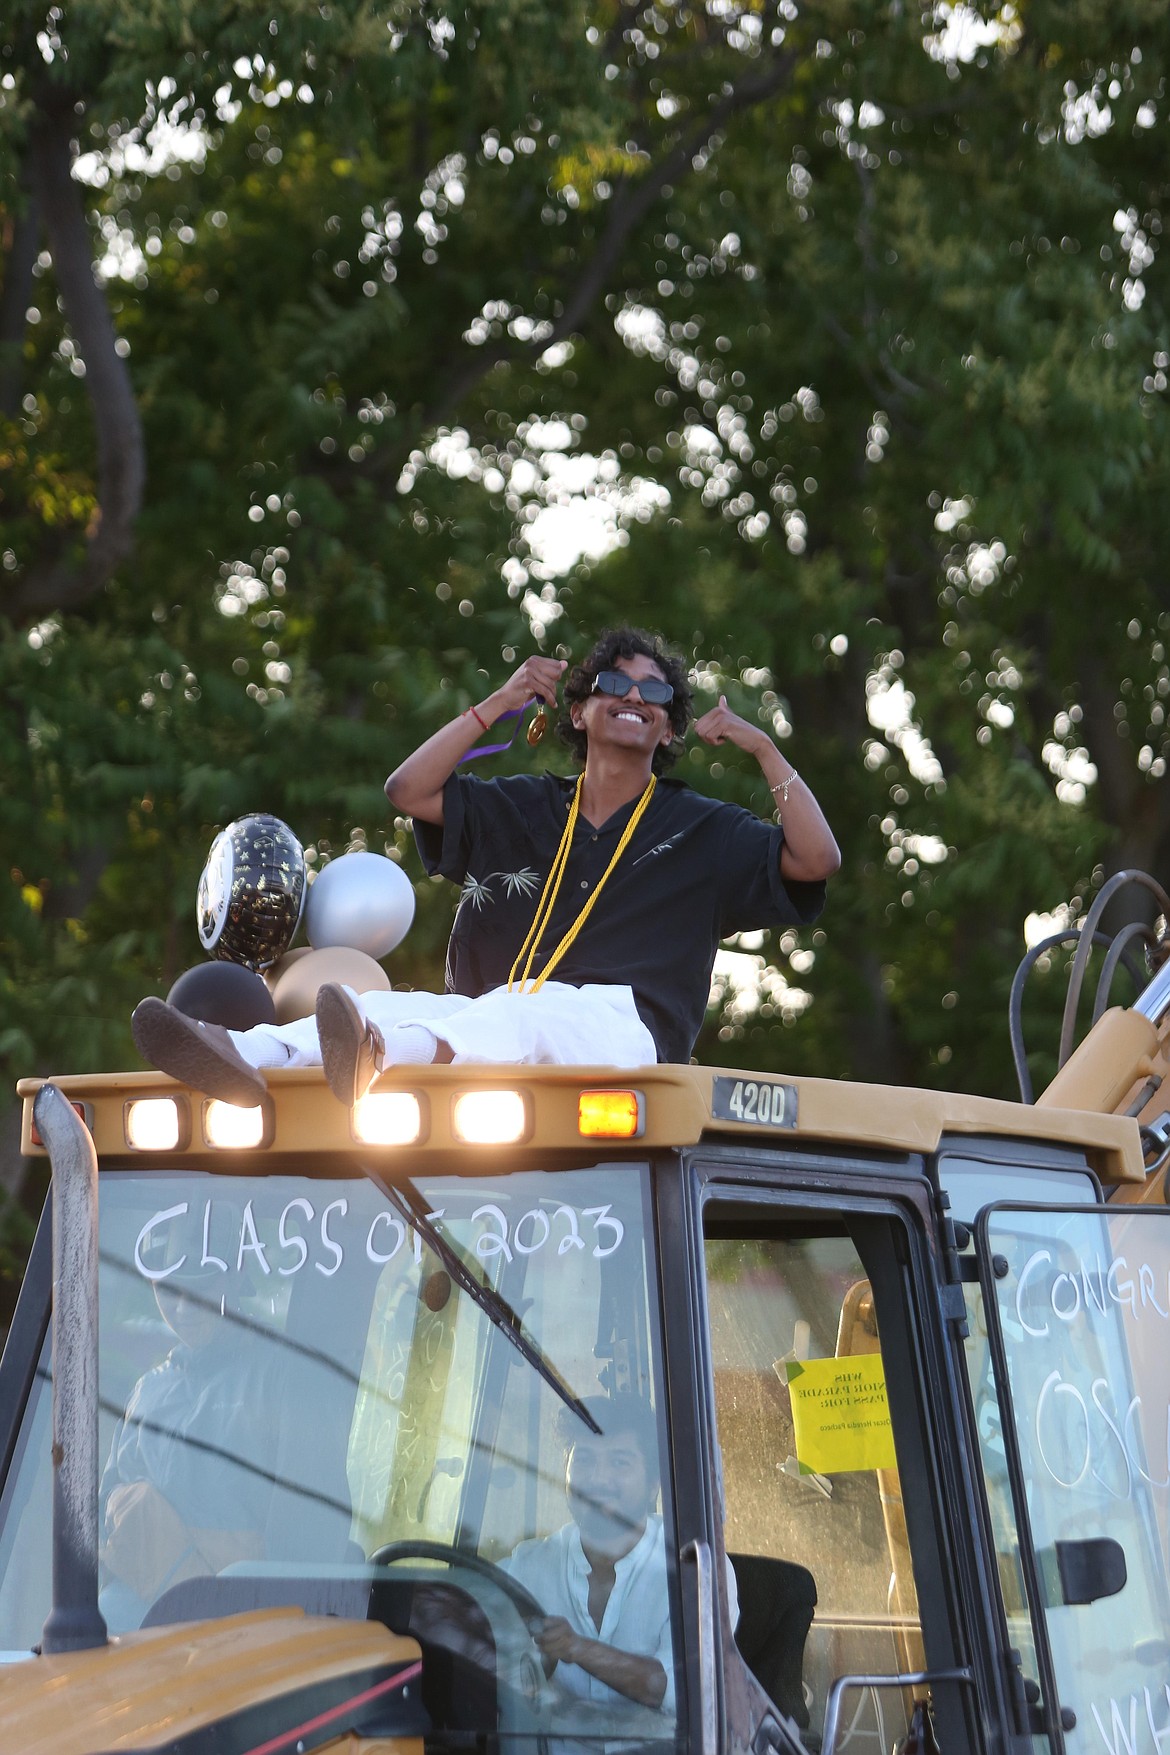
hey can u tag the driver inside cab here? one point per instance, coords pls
(601, 1578)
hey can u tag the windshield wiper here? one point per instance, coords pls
(495, 1308)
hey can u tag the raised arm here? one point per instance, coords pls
(810, 850)
(416, 785)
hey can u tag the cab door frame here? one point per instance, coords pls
(25, 1345)
(957, 1591)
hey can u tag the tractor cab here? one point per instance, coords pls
(678, 1410)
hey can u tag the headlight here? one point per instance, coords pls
(489, 1118)
(156, 1124)
(231, 1129)
(387, 1118)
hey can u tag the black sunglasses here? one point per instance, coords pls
(652, 689)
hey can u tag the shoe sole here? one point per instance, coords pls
(176, 1045)
(341, 1032)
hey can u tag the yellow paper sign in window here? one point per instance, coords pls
(840, 1414)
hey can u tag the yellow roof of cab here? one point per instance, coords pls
(680, 1105)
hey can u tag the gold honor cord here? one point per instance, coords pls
(552, 884)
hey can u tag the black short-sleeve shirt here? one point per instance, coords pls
(695, 871)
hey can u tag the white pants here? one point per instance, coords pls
(559, 1025)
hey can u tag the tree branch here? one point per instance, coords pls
(631, 202)
(62, 581)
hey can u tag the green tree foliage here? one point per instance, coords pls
(842, 329)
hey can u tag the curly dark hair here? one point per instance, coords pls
(627, 642)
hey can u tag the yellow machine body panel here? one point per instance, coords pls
(156, 1687)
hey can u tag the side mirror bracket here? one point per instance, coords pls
(1084, 1571)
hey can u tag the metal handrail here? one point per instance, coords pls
(905, 1679)
(698, 1554)
(75, 1622)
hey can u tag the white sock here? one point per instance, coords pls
(409, 1045)
(260, 1049)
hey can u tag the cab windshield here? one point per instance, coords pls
(438, 1406)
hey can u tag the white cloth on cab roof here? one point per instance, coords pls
(558, 1025)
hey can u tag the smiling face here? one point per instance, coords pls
(625, 722)
(611, 1490)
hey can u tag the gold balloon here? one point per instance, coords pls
(273, 975)
(300, 974)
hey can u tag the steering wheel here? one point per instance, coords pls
(410, 1549)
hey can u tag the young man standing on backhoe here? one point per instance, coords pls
(591, 910)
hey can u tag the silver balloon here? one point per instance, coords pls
(363, 901)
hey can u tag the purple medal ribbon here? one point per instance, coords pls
(493, 749)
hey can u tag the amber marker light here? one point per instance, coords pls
(155, 1124)
(387, 1118)
(489, 1118)
(610, 1115)
(231, 1129)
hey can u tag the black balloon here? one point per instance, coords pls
(223, 993)
(251, 892)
